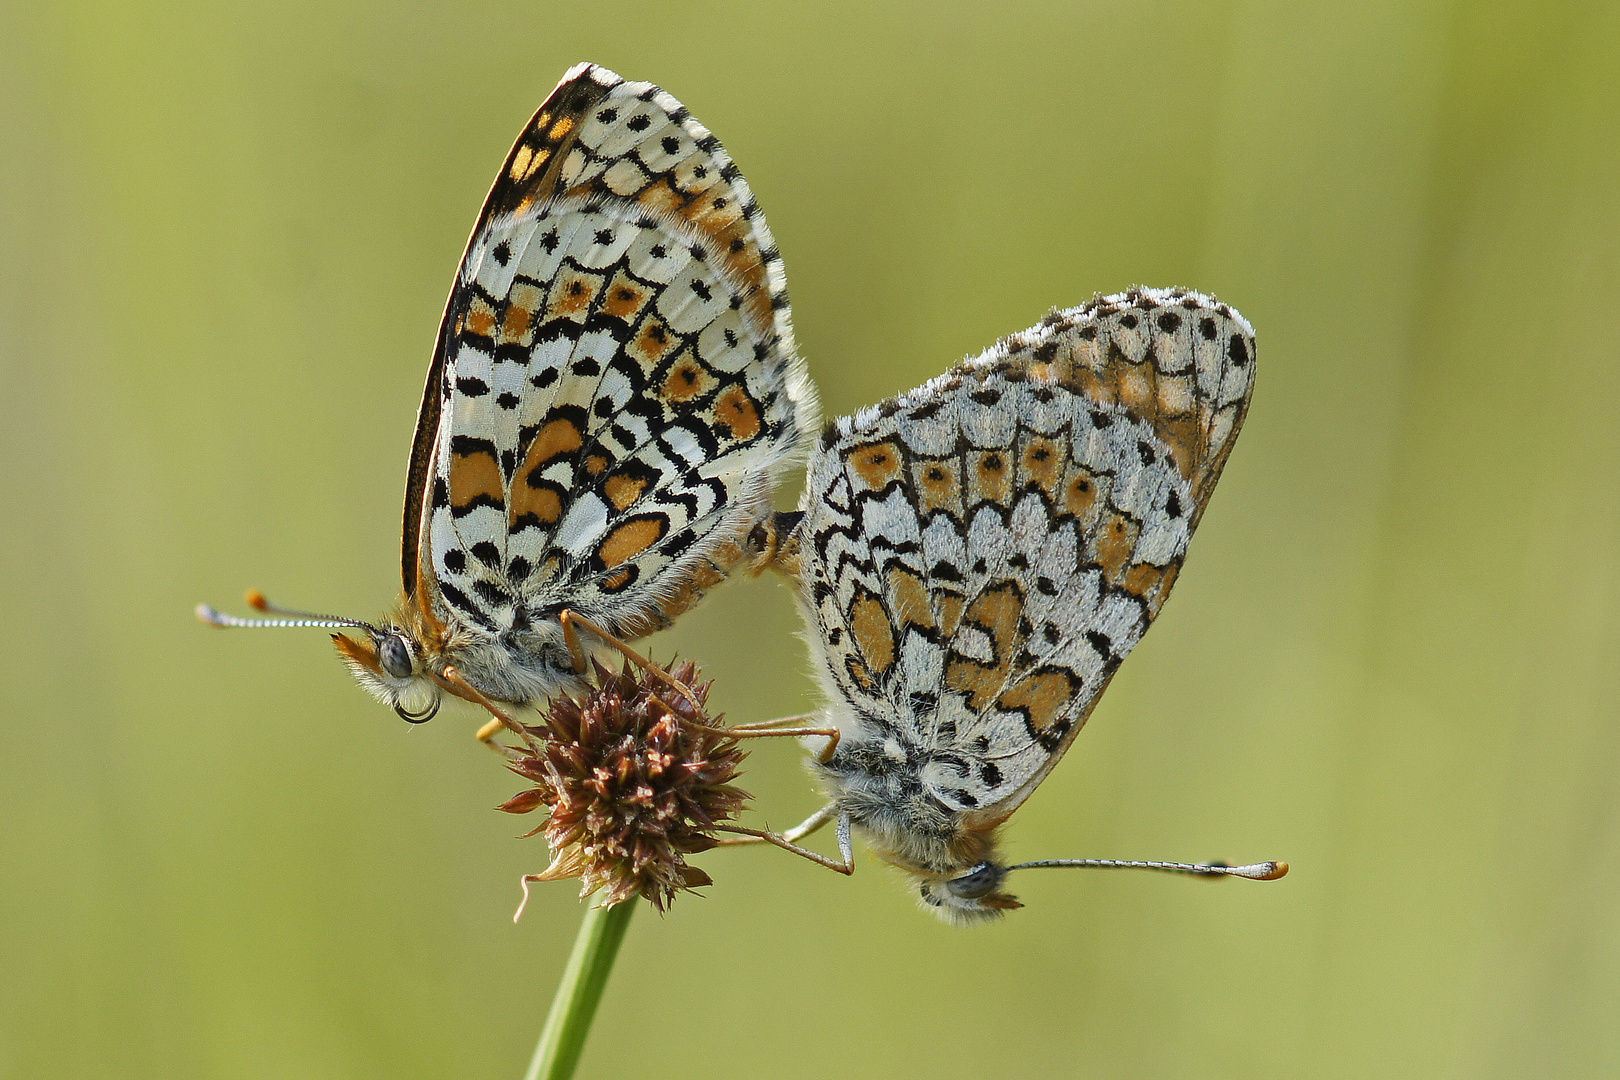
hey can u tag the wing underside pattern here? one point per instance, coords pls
(615, 384)
(981, 554)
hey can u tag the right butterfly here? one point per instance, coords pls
(976, 558)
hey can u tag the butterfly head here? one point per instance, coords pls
(389, 663)
(958, 878)
(973, 895)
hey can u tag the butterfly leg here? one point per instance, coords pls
(767, 725)
(464, 689)
(569, 618)
(844, 865)
(576, 652)
(779, 728)
(804, 828)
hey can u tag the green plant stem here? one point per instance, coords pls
(583, 980)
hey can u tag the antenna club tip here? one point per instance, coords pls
(1278, 869)
(208, 615)
(257, 601)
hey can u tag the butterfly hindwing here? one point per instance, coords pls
(616, 379)
(980, 555)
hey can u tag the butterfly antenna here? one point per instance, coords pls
(257, 601)
(1264, 871)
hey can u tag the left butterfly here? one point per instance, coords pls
(612, 396)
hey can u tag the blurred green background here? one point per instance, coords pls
(226, 231)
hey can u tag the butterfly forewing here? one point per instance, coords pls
(615, 378)
(981, 554)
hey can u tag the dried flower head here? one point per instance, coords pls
(634, 783)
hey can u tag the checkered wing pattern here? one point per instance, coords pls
(979, 555)
(615, 383)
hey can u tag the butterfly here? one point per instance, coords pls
(978, 556)
(613, 394)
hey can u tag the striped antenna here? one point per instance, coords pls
(1264, 871)
(257, 601)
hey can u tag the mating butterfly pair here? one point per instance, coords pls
(613, 396)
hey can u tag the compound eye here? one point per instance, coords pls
(976, 882)
(418, 717)
(394, 656)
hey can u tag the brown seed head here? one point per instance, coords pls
(632, 785)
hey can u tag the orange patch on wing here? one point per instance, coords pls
(908, 593)
(1042, 697)
(736, 412)
(520, 163)
(572, 294)
(725, 229)
(857, 671)
(1113, 544)
(1167, 581)
(560, 129)
(1080, 493)
(719, 223)
(543, 502)
(877, 464)
(476, 479)
(990, 478)
(653, 342)
(1185, 441)
(708, 573)
(1089, 384)
(632, 538)
(714, 213)
(997, 611)
(557, 437)
(1041, 461)
(623, 490)
(481, 318)
(661, 196)
(687, 380)
(950, 605)
(1145, 579)
(873, 632)
(625, 299)
(936, 483)
(977, 681)
(743, 260)
(595, 463)
(618, 579)
(515, 324)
